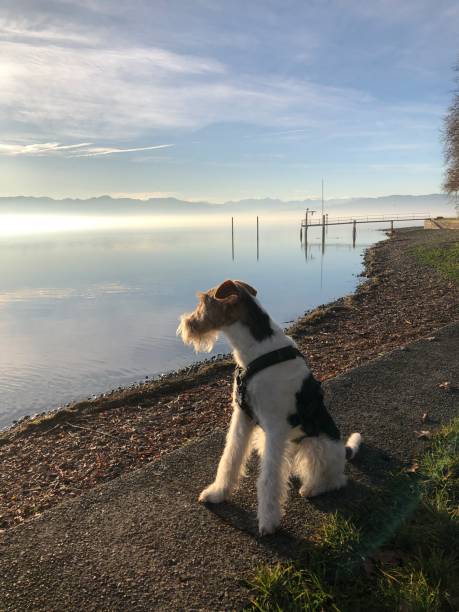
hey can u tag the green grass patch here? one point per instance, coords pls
(398, 551)
(444, 259)
(339, 535)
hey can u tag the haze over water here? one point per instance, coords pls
(84, 311)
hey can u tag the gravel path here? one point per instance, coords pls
(45, 462)
(142, 542)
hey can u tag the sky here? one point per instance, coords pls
(215, 100)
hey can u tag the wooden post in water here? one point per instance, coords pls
(232, 238)
(392, 226)
(354, 232)
(258, 240)
(323, 233)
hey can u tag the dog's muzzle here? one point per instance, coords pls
(193, 332)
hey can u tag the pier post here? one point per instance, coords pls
(354, 232)
(232, 238)
(323, 233)
(392, 226)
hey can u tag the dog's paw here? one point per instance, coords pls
(269, 521)
(311, 491)
(212, 495)
(267, 527)
(306, 491)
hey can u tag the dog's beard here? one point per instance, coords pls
(201, 341)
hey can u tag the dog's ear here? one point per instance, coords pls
(247, 287)
(227, 292)
(200, 294)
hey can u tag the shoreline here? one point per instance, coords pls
(71, 450)
(49, 395)
(175, 380)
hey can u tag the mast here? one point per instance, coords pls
(322, 197)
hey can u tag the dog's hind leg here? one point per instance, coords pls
(233, 459)
(273, 482)
(319, 463)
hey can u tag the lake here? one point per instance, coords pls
(86, 310)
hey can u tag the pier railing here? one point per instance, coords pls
(325, 220)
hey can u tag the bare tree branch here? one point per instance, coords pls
(451, 142)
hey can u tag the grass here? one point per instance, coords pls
(444, 259)
(399, 552)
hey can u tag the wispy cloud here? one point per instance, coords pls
(19, 30)
(39, 149)
(94, 151)
(92, 92)
(145, 195)
(82, 149)
(412, 168)
(102, 84)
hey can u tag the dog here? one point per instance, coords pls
(278, 405)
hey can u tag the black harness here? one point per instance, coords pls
(311, 413)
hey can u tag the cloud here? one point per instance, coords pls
(17, 31)
(83, 149)
(420, 168)
(87, 91)
(94, 151)
(87, 70)
(93, 91)
(145, 195)
(38, 149)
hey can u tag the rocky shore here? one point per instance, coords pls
(69, 451)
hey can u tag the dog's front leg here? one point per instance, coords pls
(273, 482)
(232, 460)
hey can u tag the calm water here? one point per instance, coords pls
(85, 311)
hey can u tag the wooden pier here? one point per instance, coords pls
(305, 223)
(325, 221)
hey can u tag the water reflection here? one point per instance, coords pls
(324, 233)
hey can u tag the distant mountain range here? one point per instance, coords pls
(436, 204)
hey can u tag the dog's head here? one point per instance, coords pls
(220, 307)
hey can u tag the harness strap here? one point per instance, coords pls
(268, 359)
(311, 414)
(243, 375)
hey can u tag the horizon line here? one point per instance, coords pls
(230, 201)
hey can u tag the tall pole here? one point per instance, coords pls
(323, 233)
(232, 237)
(322, 197)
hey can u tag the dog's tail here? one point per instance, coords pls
(353, 445)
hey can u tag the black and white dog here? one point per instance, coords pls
(277, 405)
